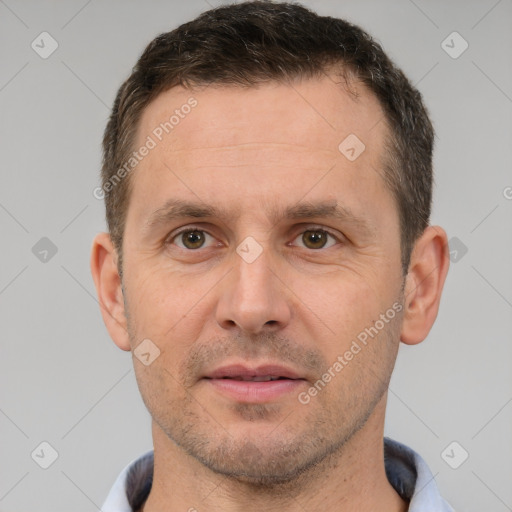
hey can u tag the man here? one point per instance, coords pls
(267, 176)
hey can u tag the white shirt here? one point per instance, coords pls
(407, 472)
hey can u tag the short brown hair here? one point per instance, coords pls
(254, 42)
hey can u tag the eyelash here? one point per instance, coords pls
(189, 229)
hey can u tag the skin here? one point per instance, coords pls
(254, 152)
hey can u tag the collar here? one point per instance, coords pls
(407, 472)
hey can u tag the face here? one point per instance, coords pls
(256, 249)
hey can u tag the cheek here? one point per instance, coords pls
(362, 362)
(343, 304)
(158, 387)
(164, 305)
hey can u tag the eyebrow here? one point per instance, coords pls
(178, 209)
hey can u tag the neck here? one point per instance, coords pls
(352, 479)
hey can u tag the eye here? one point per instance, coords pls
(190, 239)
(316, 238)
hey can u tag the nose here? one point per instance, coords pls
(254, 297)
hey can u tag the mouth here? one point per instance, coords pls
(259, 373)
(256, 378)
(260, 384)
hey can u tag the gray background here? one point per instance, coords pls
(63, 381)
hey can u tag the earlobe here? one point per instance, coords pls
(108, 288)
(424, 284)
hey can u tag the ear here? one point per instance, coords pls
(108, 287)
(424, 284)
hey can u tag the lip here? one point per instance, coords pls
(223, 380)
(239, 370)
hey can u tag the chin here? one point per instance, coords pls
(260, 466)
(262, 458)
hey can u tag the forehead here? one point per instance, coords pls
(248, 147)
(312, 113)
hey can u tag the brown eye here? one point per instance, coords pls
(192, 239)
(316, 239)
